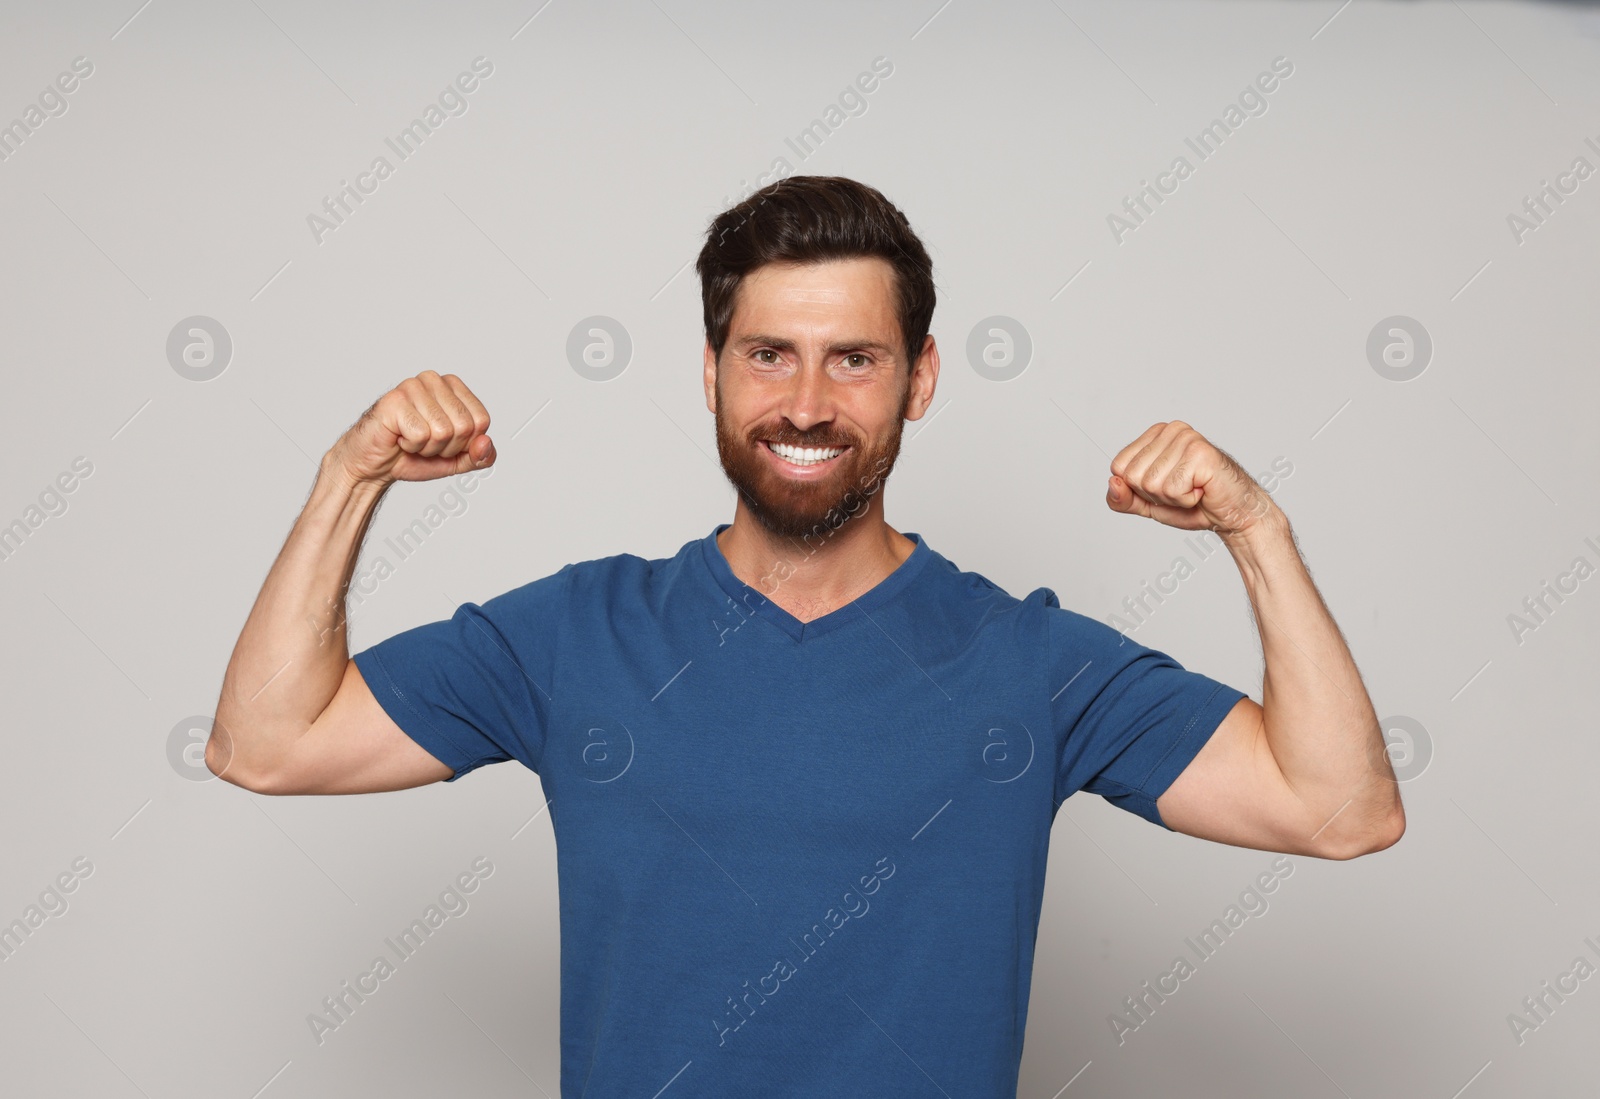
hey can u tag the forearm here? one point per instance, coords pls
(1318, 719)
(292, 653)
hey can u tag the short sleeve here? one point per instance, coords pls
(1130, 718)
(475, 688)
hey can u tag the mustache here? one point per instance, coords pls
(793, 438)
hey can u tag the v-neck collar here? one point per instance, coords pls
(886, 589)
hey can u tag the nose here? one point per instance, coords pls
(809, 401)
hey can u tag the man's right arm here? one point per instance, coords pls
(295, 715)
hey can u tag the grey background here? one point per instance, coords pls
(578, 183)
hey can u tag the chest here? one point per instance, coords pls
(761, 746)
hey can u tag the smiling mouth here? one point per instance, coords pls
(804, 456)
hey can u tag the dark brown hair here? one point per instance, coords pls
(811, 219)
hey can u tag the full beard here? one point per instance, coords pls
(790, 508)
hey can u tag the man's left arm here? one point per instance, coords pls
(1307, 770)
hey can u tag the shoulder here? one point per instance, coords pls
(630, 568)
(1037, 617)
(616, 579)
(970, 604)
(953, 582)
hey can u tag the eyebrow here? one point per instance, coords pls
(778, 343)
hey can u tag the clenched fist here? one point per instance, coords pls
(426, 427)
(1174, 475)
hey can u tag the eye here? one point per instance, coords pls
(857, 355)
(766, 351)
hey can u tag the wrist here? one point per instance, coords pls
(336, 471)
(336, 477)
(1268, 524)
(1263, 547)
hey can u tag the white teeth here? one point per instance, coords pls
(805, 456)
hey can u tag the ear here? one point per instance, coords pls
(710, 365)
(924, 378)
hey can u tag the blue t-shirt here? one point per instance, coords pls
(795, 858)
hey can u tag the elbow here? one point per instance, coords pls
(1393, 829)
(220, 761)
(224, 763)
(1380, 837)
(219, 752)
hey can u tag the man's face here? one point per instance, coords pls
(814, 359)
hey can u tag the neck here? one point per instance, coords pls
(813, 576)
